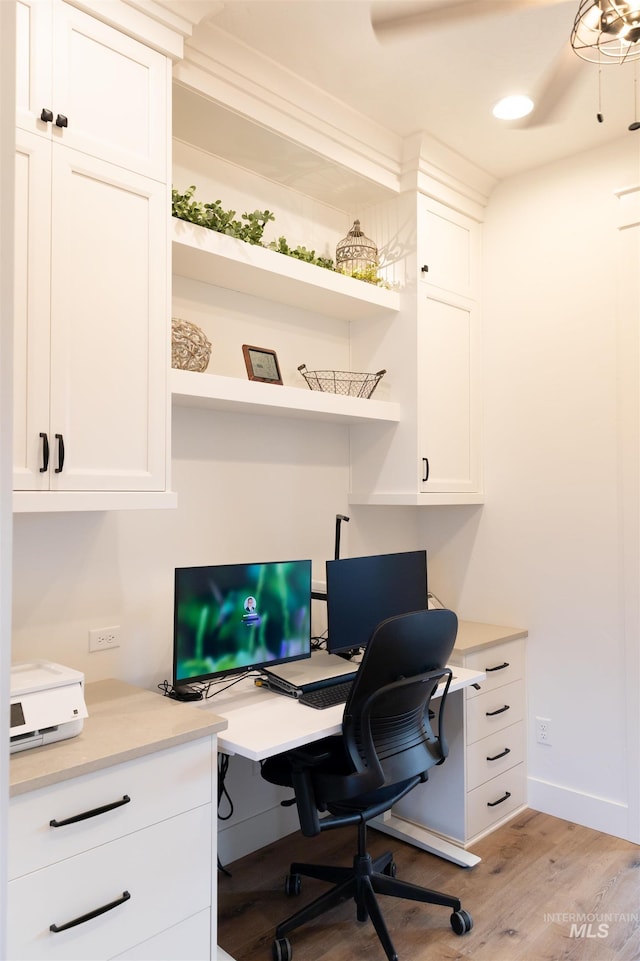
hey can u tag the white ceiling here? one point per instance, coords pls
(445, 78)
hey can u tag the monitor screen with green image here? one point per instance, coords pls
(230, 618)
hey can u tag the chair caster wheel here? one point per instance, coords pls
(461, 921)
(391, 869)
(292, 885)
(281, 950)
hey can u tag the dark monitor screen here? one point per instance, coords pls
(233, 617)
(363, 591)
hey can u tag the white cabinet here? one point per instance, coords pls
(448, 350)
(495, 738)
(91, 318)
(118, 863)
(433, 355)
(111, 89)
(483, 781)
(448, 409)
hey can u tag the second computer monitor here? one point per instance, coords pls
(363, 591)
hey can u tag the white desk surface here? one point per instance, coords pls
(261, 723)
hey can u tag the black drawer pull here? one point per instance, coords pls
(46, 115)
(500, 667)
(45, 453)
(92, 914)
(61, 120)
(425, 475)
(500, 710)
(94, 812)
(60, 439)
(492, 804)
(504, 753)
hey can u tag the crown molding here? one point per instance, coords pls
(161, 24)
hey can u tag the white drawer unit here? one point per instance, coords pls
(74, 816)
(117, 860)
(97, 904)
(494, 737)
(483, 781)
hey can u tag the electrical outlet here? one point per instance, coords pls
(104, 638)
(543, 730)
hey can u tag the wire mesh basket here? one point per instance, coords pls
(342, 381)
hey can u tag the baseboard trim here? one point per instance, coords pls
(601, 814)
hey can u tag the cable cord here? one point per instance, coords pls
(223, 767)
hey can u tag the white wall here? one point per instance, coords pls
(551, 549)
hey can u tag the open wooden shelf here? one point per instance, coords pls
(214, 392)
(213, 258)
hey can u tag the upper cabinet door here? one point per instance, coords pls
(109, 344)
(33, 65)
(31, 332)
(85, 84)
(449, 395)
(448, 248)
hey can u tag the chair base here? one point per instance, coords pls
(363, 882)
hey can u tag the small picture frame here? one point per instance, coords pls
(262, 364)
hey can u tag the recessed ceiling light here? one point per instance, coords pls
(512, 108)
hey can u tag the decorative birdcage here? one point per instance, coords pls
(356, 252)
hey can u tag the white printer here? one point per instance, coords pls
(47, 704)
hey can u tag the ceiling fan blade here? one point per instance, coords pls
(418, 16)
(558, 85)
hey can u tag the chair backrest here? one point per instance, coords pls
(386, 724)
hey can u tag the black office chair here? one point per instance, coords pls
(386, 748)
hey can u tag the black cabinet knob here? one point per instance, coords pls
(425, 268)
(61, 120)
(46, 115)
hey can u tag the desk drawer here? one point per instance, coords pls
(190, 938)
(494, 754)
(495, 800)
(502, 664)
(159, 786)
(166, 869)
(494, 710)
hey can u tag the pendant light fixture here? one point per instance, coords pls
(607, 31)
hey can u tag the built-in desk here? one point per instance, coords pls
(159, 754)
(483, 781)
(261, 723)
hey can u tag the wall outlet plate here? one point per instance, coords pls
(103, 638)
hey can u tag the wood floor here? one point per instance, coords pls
(545, 890)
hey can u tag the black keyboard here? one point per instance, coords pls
(328, 696)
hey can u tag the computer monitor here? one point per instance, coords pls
(236, 617)
(363, 591)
